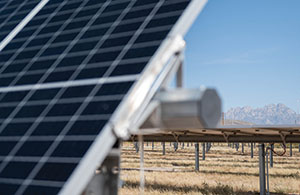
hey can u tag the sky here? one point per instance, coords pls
(249, 50)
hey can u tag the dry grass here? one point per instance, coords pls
(225, 171)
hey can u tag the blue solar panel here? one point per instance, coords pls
(64, 75)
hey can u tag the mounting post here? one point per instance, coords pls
(262, 171)
(175, 144)
(237, 146)
(197, 156)
(271, 155)
(136, 146)
(207, 147)
(179, 76)
(164, 148)
(242, 148)
(291, 149)
(203, 151)
(152, 145)
(251, 150)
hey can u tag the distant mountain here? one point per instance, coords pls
(236, 122)
(269, 114)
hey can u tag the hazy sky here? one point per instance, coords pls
(248, 49)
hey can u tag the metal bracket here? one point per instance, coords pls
(175, 137)
(106, 178)
(283, 137)
(226, 136)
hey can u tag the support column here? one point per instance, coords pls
(299, 147)
(271, 155)
(175, 146)
(207, 147)
(237, 145)
(164, 148)
(203, 151)
(251, 150)
(262, 172)
(196, 156)
(242, 148)
(291, 149)
(136, 146)
(182, 146)
(152, 145)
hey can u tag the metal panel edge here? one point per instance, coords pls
(84, 172)
(23, 23)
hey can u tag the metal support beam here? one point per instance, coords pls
(271, 155)
(175, 146)
(182, 145)
(251, 150)
(136, 146)
(142, 174)
(242, 148)
(196, 156)
(207, 147)
(160, 137)
(237, 146)
(164, 148)
(152, 145)
(291, 149)
(203, 151)
(262, 172)
(179, 76)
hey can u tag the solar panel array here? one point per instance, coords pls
(63, 76)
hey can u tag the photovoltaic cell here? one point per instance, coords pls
(100, 47)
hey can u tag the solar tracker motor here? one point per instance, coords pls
(182, 109)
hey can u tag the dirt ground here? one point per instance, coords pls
(224, 171)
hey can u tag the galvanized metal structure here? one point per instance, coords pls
(241, 134)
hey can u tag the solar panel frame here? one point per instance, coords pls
(23, 23)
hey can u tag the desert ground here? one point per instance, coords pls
(224, 171)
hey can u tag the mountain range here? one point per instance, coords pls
(271, 114)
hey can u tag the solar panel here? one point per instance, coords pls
(65, 76)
